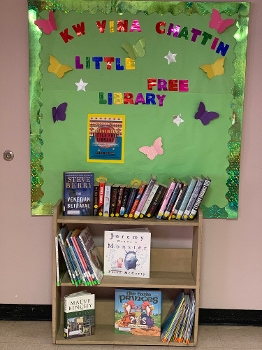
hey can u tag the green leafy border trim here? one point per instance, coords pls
(147, 7)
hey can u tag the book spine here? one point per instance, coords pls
(199, 198)
(137, 199)
(80, 268)
(165, 200)
(78, 271)
(144, 197)
(172, 200)
(119, 200)
(178, 201)
(192, 199)
(113, 203)
(149, 200)
(101, 198)
(86, 254)
(96, 192)
(58, 283)
(86, 258)
(131, 198)
(66, 258)
(74, 269)
(155, 203)
(87, 276)
(186, 198)
(107, 196)
(124, 201)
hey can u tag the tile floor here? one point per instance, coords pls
(36, 335)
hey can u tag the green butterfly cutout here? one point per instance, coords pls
(137, 50)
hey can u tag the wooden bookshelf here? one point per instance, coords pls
(171, 270)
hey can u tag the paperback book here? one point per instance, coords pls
(138, 312)
(79, 314)
(127, 253)
(78, 193)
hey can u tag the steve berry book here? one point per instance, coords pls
(78, 193)
(79, 314)
(138, 311)
(127, 253)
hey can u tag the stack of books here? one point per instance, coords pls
(178, 200)
(80, 255)
(179, 322)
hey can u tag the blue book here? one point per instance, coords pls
(78, 193)
(186, 198)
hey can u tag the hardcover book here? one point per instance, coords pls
(156, 201)
(78, 193)
(127, 253)
(107, 199)
(149, 200)
(79, 314)
(138, 311)
(140, 192)
(193, 198)
(200, 197)
(101, 195)
(119, 199)
(113, 200)
(144, 197)
(186, 198)
(166, 199)
(96, 192)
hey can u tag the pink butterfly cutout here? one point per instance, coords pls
(218, 23)
(47, 25)
(153, 151)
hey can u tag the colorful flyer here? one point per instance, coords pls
(105, 138)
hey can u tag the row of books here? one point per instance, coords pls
(178, 324)
(178, 200)
(137, 311)
(80, 255)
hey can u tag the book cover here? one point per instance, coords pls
(193, 198)
(186, 198)
(124, 201)
(113, 200)
(107, 199)
(200, 197)
(119, 199)
(127, 253)
(166, 198)
(156, 201)
(91, 254)
(79, 314)
(144, 197)
(140, 192)
(138, 312)
(149, 200)
(78, 193)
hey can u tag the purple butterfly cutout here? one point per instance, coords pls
(59, 113)
(204, 115)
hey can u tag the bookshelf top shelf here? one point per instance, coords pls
(122, 221)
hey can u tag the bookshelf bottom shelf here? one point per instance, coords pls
(104, 335)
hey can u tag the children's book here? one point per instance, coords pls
(193, 198)
(78, 193)
(127, 253)
(107, 199)
(138, 312)
(186, 198)
(79, 314)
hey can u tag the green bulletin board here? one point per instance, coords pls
(168, 76)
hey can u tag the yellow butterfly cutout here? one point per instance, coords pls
(214, 69)
(137, 50)
(57, 68)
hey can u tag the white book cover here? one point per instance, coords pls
(127, 253)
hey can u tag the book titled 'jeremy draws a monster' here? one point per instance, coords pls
(127, 253)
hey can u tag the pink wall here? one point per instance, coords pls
(231, 275)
